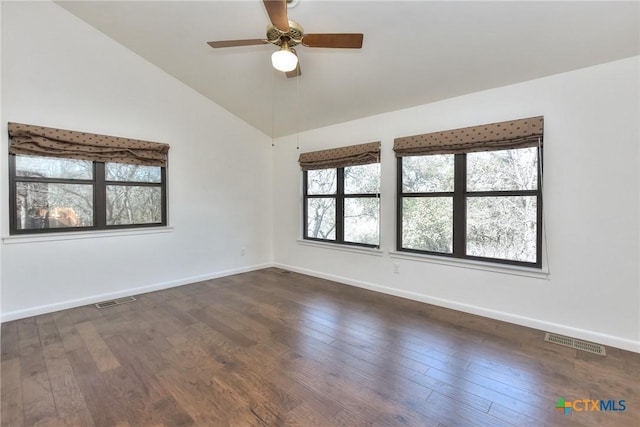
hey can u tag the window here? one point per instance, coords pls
(342, 205)
(57, 194)
(342, 195)
(64, 180)
(476, 205)
(472, 194)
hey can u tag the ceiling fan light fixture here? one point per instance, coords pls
(284, 60)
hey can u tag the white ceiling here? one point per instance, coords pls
(414, 52)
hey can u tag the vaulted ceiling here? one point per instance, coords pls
(414, 52)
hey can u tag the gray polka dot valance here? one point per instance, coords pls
(50, 142)
(495, 136)
(353, 155)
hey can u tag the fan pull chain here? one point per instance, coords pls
(298, 112)
(273, 105)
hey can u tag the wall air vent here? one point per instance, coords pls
(112, 302)
(576, 344)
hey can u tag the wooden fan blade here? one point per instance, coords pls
(295, 73)
(233, 43)
(345, 40)
(277, 11)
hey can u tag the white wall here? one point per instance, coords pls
(591, 194)
(60, 72)
(57, 71)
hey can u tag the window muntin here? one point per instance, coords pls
(50, 194)
(492, 212)
(342, 205)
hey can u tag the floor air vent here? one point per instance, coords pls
(577, 344)
(112, 302)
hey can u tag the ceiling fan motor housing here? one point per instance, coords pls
(293, 36)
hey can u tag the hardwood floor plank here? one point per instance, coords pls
(346, 385)
(11, 376)
(256, 389)
(345, 418)
(320, 403)
(11, 410)
(169, 413)
(102, 356)
(393, 385)
(37, 398)
(97, 392)
(28, 337)
(203, 401)
(151, 402)
(223, 329)
(444, 407)
(514, 417)
(76, 419)
(47, 330)
(67, 396)
(10, 348)
(303, 416)
(41, 411)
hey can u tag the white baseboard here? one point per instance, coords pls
(605, 339)
(63, 305)
(596, 337)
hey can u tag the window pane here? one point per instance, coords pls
(128, 204)
(362, 179)
(44, 205)
(51, 167)
(426, 174)
(361, 217)
(427, 223)
(132, 173)
(322, 181)
(321, 218)
(502, 227)
(503, 170)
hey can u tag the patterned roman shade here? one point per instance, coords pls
(495, 136)
(42, 141)
(354, 155)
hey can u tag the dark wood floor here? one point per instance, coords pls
(274, 348)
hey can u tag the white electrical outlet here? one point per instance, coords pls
(396, 268)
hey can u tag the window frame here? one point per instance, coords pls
(340, 196)
(99, 183)
(459, 196)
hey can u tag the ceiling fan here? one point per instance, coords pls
(286, 33)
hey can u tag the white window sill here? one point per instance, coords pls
(340, 247)
(474, 265)
(77, 235)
